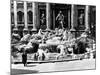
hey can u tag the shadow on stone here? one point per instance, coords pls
(30, 65)
(22, 71)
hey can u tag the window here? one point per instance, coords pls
(20, 17)
(12, 18)
(30, 17)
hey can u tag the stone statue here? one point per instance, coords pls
(42, 19)
(60, 19)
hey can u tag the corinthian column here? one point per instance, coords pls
(15, 15)
(72, 17)
(34, 7)
(86, 18)
(25, 15)
(48, 16)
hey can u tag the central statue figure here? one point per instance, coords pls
(42, 19)
(60, 19)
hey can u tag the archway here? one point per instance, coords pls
(20, 17)
(30, 17)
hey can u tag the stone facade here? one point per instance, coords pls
(31, 16)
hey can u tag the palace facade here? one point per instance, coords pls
(31, 16)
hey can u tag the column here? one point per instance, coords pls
(15, 15)
(72, 17)
(25, 15)
(37, 16)
(86, 18)
(48, 16)
(34, 5)
(53, 19)
(68, 19)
